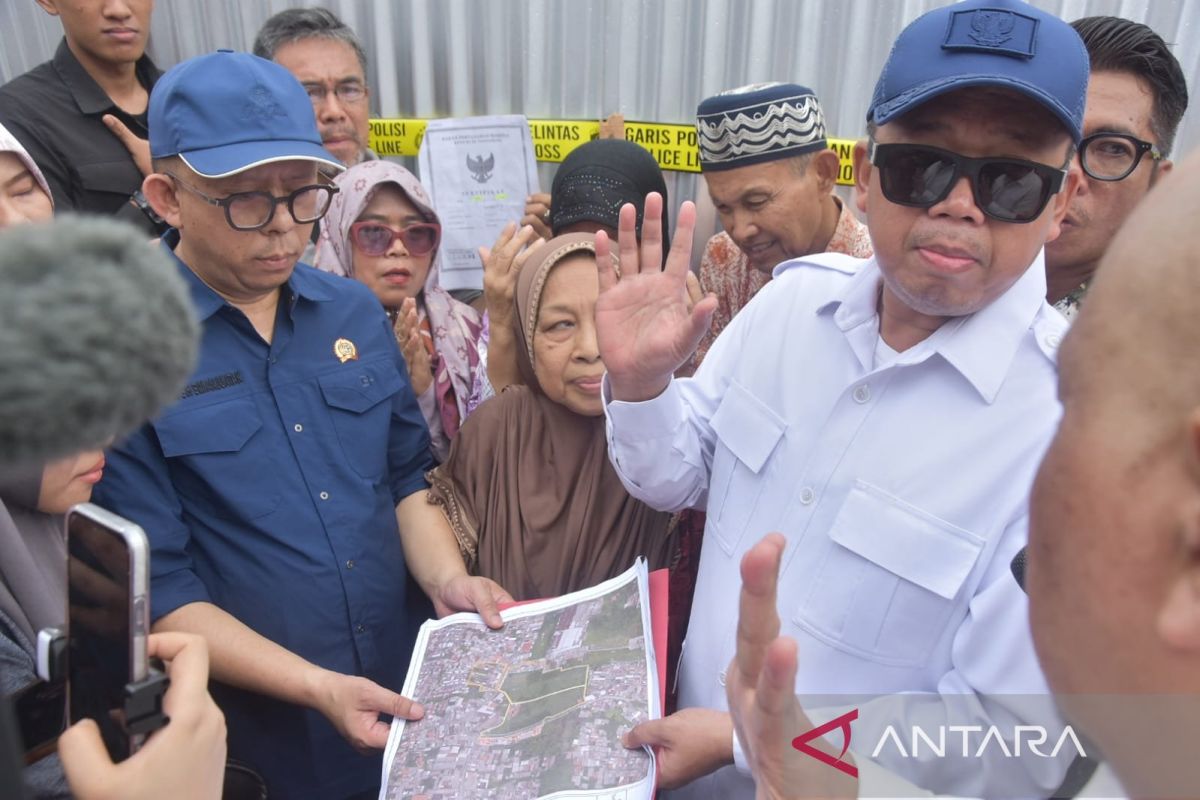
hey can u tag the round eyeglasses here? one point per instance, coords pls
(250, 211)
(1113, 156)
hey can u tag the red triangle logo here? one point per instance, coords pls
(801, 743)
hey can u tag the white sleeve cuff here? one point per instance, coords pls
(649, 419)
(739, 755)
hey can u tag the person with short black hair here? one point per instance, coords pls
(57, 110)
(1137, 96)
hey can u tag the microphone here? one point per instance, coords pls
(97, 334)
(1018, 568)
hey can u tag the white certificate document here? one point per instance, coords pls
(478, 171)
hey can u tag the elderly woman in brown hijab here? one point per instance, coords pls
(528, 487)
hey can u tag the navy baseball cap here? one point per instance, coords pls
(228, 112)
(1000, 43)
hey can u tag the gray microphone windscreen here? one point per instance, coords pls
(97, 334)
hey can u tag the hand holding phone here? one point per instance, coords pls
(185, 759)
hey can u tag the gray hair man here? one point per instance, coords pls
(327, 58)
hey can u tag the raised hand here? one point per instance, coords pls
(537, 214)
(420, 372)
(760, 688)
(646, 323)
(501, 266)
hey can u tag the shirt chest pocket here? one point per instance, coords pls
(359, 400)
(220, 459)
(119, 178)
(891, 579)
(748, 432)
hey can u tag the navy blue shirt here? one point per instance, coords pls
(269, 489)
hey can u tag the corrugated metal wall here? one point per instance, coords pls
(651, 60)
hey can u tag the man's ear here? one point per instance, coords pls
(1062, 201)
(163, 196)
(825, 164)
(49, 6)
(862, 175)
(1163, 170)
(1179, 617)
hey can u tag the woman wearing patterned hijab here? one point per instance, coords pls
(382, 230)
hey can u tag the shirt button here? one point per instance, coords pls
(297, 427)
(721, 678)
(324, 495)
(862, 393)
(1053, 340)
(350, 564)
(359, 628)
(807, 495)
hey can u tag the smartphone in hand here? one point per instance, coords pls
(108, 620)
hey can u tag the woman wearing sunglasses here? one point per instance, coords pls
(381, 230)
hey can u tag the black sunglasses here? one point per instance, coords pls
(1007, 189)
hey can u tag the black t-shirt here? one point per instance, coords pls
(55, 110)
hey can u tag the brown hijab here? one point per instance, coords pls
(528, 488)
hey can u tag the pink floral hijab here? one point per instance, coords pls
(455, 326)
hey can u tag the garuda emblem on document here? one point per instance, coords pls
(481, 168)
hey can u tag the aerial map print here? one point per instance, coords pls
(536, 709)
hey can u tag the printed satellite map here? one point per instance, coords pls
(535, 709)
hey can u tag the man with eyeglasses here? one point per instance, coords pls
(886, 415)
(327, 58)
(1136, 97)
(284, 493)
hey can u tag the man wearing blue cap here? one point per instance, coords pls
(284, 493)
(886, 416)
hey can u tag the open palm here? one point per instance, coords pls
(645, 323)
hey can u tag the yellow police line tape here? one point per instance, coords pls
(673, 146)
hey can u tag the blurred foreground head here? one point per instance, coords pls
(1114, 553)
(97, 333)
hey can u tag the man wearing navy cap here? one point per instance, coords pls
(770, 175)
(886, 416)
(284, 493)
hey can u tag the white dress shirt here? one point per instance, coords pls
(902, 490)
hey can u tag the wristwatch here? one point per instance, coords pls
(139, 200)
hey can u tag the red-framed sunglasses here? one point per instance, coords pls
(375, 238)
